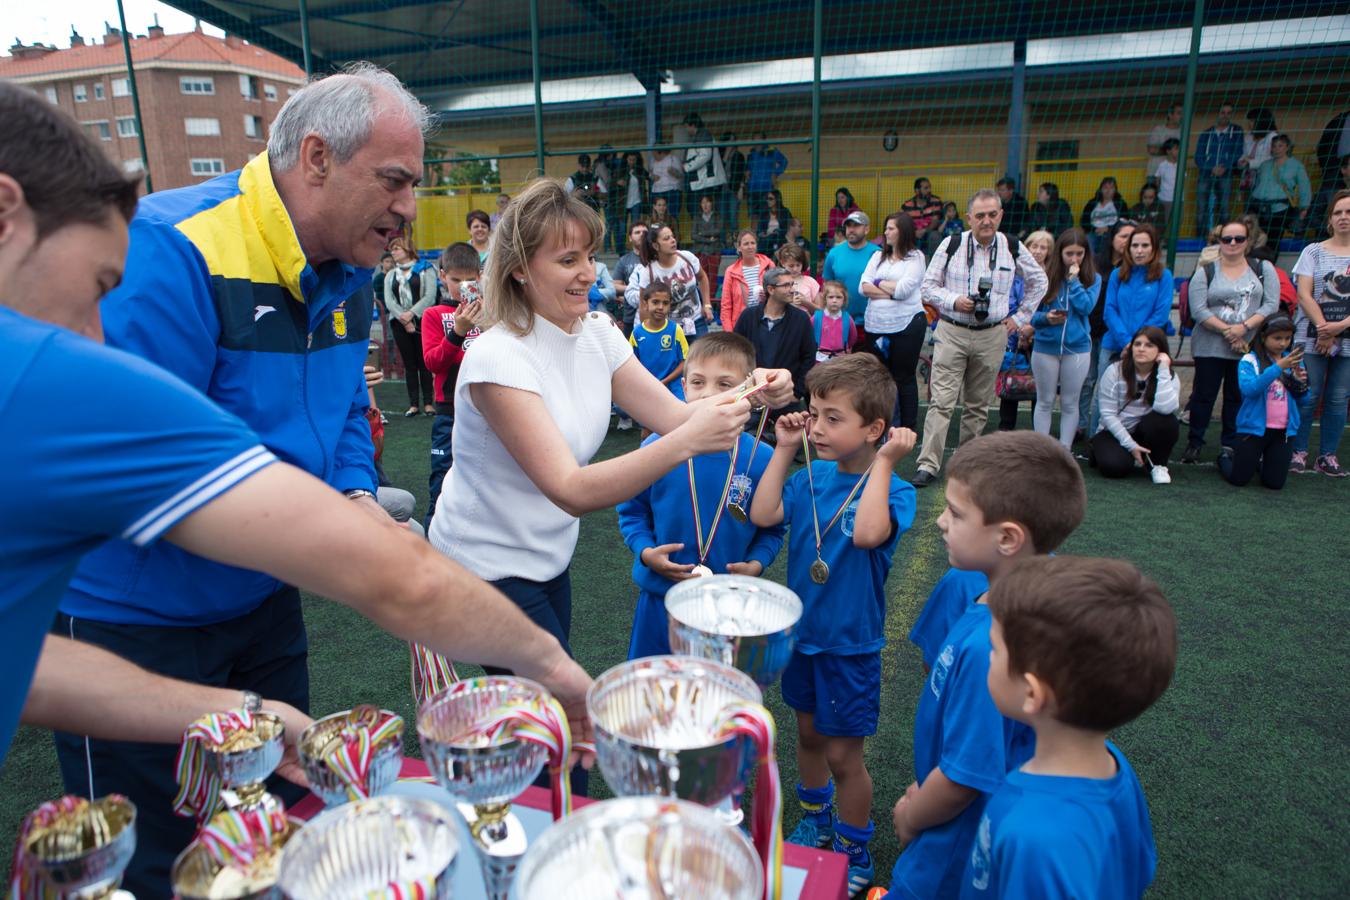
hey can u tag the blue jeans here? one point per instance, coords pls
(1213, 195)
(1328, 380)
(441, 457)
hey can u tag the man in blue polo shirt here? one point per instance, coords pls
(846, 262)
(106, 445)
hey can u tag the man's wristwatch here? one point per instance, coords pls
(252, 702)
(358, 493)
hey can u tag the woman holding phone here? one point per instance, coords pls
(1062, 348)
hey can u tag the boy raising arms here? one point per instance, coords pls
(1010, 496)
(846, 513)
(447, 331)
(1080, 647)
(659, 526)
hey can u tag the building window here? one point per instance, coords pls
(270, 91)
(51, 95)
(121, 87)
(253, 126)
(248, 87)
(99, 130)
(132, 166)
(195, 84)
(126, 126)
(202, 167)
(202, 127)
(98, 90)
(81, 93)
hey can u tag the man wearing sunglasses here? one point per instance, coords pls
(970, 282)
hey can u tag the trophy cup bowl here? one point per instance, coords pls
(745, 622)
(197, 875)
(83, 857)
(318, 741)
(483, 775)
(656, 726)
(243, 771)
(364, 847)
(641, 847)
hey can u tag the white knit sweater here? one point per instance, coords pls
(491, 517)
(1120, 413)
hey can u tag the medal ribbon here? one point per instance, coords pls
(236, 837)
(422, 889)
(199, 790)
(815, 516)
(753, 721)
(26, 880)
(359, 738)
(431, 674)
(705, 547)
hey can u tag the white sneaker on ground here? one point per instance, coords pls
(1161, 475)
(624, 423)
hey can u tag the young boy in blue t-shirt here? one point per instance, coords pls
(1010, 496)
(1080, 647)
(658, 525)
(846, 513)
(658, 342)
(953, 594)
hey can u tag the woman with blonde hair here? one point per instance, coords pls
(533, 404)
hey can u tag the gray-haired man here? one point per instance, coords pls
(971, 285)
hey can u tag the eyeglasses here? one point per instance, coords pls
(1233, 239)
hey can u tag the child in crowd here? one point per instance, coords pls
(658, 342)
(1271, 378)
(1148, 211)
(1167, 175)
(838, 236)
(1080, 647)
(1010, 496)
(805, 289)
(838, 566)
(951, 220)
(658, 525)
(836, 332)
(1138, 396)
(448, 329)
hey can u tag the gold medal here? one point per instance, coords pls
(700, 570)
(820, 572)
(737, 513)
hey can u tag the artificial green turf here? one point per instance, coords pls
(1238, 759)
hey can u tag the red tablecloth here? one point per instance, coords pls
(826, 873)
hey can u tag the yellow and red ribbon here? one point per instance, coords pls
(358, 740)
(198, 789)
(26, 881)
(766, 823)
(236, 837)
(431, 674)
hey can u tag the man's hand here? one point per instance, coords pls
(296, 722)
(754, 568)
(371, 507)
(964, 304)
(1010, 325)
(658, 560)
(789, 428)
(569, 683)
(899, 444)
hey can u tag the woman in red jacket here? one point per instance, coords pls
(741, 287)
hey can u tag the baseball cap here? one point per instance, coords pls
(859, 217)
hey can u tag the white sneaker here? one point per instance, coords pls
(1161, 475)
(625, 423)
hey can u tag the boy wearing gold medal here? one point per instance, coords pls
(846, 512)
(674, 538)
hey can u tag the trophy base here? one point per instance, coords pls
(501, 842)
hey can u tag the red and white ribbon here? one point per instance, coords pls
(26, 881)
(236, 837)
(422, 889)
(358, 740)
(766, 823)
(431, 674)
(199, 790)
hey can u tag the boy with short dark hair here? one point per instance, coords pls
(448, 329)
(1080, 647)
(658, 342)
(1010, 496)
(847, 511)
(659, 525)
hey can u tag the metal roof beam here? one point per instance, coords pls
(363, 7)
(643, 64)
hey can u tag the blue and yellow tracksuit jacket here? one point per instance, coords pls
(217, 290)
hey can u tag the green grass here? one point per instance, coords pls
(1238, 759)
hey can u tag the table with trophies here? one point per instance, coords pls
(680, 739)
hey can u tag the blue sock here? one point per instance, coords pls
(817, 803)
(852, 840)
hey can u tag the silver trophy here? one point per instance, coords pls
(748, 623)
(245, 761)
(640, 847)
(197, 875)
(657, 724)
(482, 774)
(321, 740)
(82, 853)
(364, 848)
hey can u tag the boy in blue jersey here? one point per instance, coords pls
(1080, 647)
(1010, 496)
(658, 342)
(846, 513)
(955, 591)
(658, 525)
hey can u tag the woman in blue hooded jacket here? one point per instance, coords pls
(1062, 348)
(1138, 294)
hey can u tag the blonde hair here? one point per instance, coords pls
(541, 211)
(1041, 235)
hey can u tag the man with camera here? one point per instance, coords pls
(969, 282)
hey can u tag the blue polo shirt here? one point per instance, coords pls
(951, 597)
(846, 265)
(100, 444)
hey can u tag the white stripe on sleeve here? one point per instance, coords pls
(202, 491)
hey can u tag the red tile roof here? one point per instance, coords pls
(191, 47)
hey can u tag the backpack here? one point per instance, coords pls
(1209, 268)
(953, 243)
